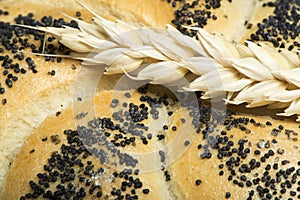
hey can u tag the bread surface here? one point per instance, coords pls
(238, 138)
(40, 145)
(33, 102)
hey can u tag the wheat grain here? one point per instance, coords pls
(252, 73)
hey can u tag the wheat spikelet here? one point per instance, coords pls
(254, 74)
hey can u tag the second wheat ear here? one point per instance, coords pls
(250, 73)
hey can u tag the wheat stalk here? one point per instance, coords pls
(249, 73)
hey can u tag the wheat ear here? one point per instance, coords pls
(249, 73)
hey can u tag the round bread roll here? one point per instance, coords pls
(37, 108)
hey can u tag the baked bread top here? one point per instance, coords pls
(179, 151)
(35, 96)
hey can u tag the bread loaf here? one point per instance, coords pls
(201, 153)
